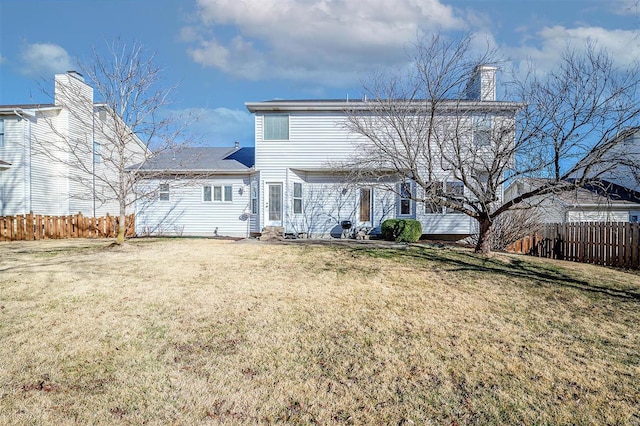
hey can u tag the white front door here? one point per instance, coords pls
(274, 204)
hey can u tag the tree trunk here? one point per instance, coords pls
(121, 225)
(484, 236)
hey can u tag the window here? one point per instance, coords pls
(276, 127)
(206, 193)
(222, 193)
(482, 131)
(455, 191)
(97, 157)
(1, 133)
(405, 199)
(433, 191)
(634, 217)
(164, 192)
(254, 197)
(297, 198)
(365, 204)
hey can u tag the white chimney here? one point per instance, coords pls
(482, 85)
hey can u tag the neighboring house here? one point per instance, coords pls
(600, 201)
(200, 191)
(39, 172)
(626, 154)
(298, 181)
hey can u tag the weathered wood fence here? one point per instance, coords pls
(37, 227)
(602, 243)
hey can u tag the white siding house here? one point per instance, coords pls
(39, 173)
(597, 202)
(300, 145)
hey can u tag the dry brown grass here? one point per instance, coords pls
(200, 331)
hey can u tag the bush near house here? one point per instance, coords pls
(401, 230)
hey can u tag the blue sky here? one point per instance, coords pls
(223, 53)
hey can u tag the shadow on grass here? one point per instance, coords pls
(469, 262)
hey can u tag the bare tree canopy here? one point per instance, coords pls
(120, 106)
(440, 127)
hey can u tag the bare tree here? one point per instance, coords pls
(439, 128)
(128, 124)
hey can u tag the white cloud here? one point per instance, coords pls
(42, 59)
(331, 42)
(546, 47)
(222, 126)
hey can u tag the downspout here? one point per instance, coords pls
(30, 168)
(93, 160)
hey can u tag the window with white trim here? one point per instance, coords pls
(163, 192)
(275, 127)
(254, 197)
(482, 130)
(455, 192)
(434, 190)
(297, 198)
(365, 205)
(223, 193)
(97, 156)
(1, 133)
(405, 199)
(206, 193)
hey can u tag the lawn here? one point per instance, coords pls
(187, 331)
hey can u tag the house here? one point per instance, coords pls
(51, 155)
(201, 191)
(299, 182)
(599, 201)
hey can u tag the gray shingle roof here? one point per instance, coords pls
(202, 159)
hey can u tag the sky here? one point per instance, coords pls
(223, 53)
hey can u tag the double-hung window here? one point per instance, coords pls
(405, 199)
(433, 192)
(276, 127)
(220, 193)
(297, 198)
(163, 192)
(206, 193)
(482, 130)
(455, 193)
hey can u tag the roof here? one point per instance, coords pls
(202, 160)
(4, 164)
(364, 104)
(596, 193)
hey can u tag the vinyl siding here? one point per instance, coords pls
(320, 140)
(185, 213)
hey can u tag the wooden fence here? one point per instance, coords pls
(37, 227)
(602, 243)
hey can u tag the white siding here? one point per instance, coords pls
(185, 213)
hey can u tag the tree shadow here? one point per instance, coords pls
(468, 262)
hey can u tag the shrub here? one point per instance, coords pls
(401, 230)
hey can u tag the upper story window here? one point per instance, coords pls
(482, 130)
(276, 127)
(1, 133)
